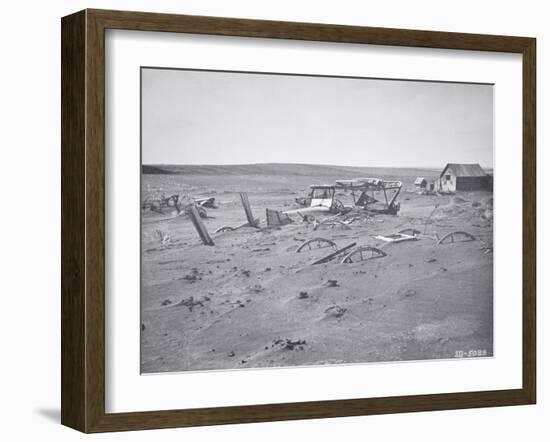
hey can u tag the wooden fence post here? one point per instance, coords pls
(197, 222)
(247, 210)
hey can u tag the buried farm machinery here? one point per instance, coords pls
(372, 194)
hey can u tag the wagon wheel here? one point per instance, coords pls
(413, 232)
(363, 253)
(202, 212)
(316, 243)
(336, 206)
(307, 218)
(171, 201)
(459, 236)
(156, 207)
(224, 229)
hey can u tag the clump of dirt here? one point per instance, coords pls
(335, 311)
(257, 288)
(193, 277)
(303, 295)
(332, 283)
(237, 303)
(289, 344)
(191, 302)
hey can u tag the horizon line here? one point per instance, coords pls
(313, 164)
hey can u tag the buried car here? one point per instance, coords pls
(321, 199)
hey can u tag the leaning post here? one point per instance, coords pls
(248, 211)
(199, 226)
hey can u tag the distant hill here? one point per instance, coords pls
(153, 170)
(284, 169)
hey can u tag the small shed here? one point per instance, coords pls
(420, 182)
(466, 177)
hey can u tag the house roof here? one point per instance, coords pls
(464, 169)
(419, 180)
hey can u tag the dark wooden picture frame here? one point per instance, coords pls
(83, 220)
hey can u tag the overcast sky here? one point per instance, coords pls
(197, 117)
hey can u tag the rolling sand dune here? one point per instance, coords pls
(252, 301)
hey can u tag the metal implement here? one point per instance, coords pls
(363, 253)
(459, 236)
(396, 237)
(373, 186)
(316, 243)
(334, 255)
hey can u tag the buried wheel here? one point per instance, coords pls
(202, 211)
(307, 218)
(363, 253)
(224, 229)
(316, 243)
(453, 237)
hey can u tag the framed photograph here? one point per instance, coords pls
(267, 220)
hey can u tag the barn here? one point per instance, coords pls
(462, 177)
(420, 182)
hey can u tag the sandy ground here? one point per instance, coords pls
(252, 301)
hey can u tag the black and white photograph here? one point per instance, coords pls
(303, 220)
(270, 221)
